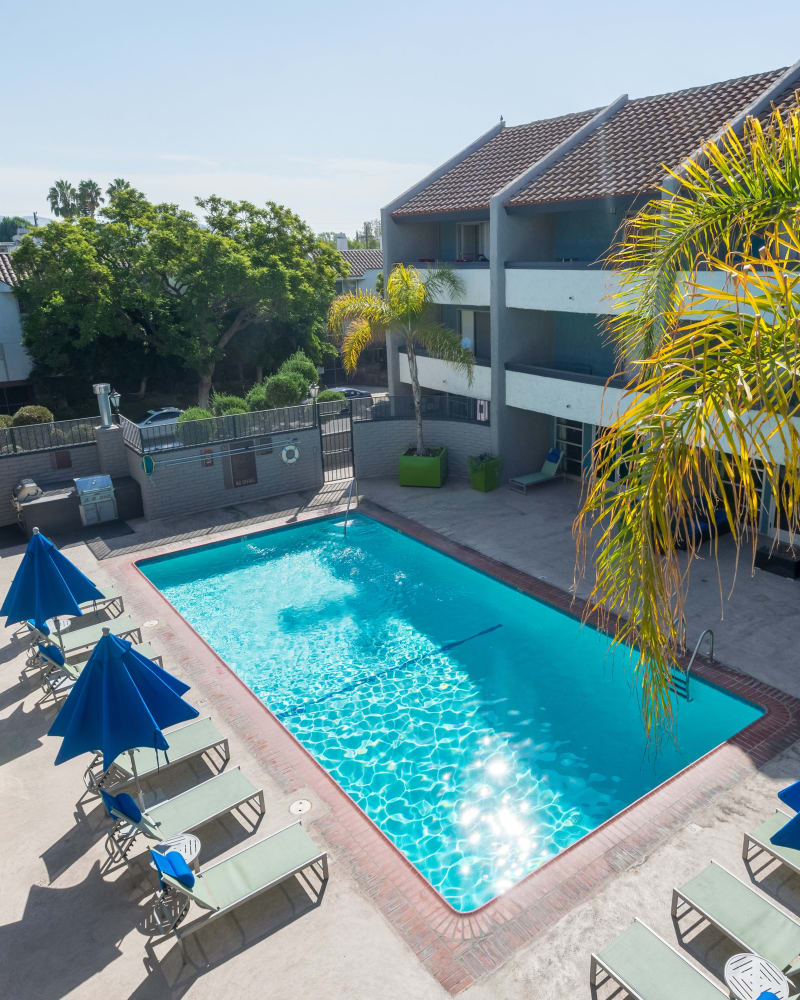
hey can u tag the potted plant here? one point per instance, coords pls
(408, 308)
(423, 470)
(484, 472)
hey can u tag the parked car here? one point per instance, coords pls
(350, 392)
(166, 415)
(158, 427)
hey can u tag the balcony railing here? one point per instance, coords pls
(575, 373)
(53, 436)
(463, 409)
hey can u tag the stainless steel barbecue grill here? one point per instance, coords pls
(97, 500)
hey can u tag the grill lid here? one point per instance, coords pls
(91, 484)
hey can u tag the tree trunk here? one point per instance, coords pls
(259, 373)
(416, 392)
(142, 386)
(204, 389)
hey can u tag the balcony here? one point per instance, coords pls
(443, 377)
(473, 274)
(561, 286)
(573, 395)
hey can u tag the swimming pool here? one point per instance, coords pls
(482, 730)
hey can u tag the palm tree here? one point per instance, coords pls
(63, 199)
(117, 185)
(362, 318)
(90, 196)
(710, 328)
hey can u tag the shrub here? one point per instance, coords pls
(224, 403)
(256, 398)
(285, 389)
(328, 396)
(300, 362)
(189, 435)
(31, 415)
(194, 413)
(5, 420)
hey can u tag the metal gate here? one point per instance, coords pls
(336, 440)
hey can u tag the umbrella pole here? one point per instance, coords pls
(136, 779)
(57, 623)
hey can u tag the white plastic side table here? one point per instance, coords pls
(748, 976)
(186, 844)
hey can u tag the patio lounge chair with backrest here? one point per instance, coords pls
(182, 813)
(123, 626)
(648, 968)
(111, 600)
(227, 884)
(758, 842)
(192, 740)
(740, 913)
(546, 474)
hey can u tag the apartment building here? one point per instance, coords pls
(524, 215)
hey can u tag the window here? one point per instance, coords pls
(240, 465)
(472, 241)
(474, 328)
(569, 439)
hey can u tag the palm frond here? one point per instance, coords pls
(714, 423)
(443, 343)
(727, 198)
(443, 280)
(406, 295)
(359, 336)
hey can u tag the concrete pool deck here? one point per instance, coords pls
(69, 931)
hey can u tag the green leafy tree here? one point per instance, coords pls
(63, 199)
(90, 197)
(9, 224)
(116, 186)
(360, 319)
(713, 405)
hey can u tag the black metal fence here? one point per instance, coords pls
(47, 437)
(445, 407)
(193, 433)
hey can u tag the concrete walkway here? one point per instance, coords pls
(69, 930)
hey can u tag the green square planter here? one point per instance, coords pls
(427, 470)
(486, 477)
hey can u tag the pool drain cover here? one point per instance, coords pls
(299, 807)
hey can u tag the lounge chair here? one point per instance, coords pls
(749, 919)
(182, 813)
(648, 968)
(758, 842)
(123, 625)
(546, 474)
(225, 885)
(193, 740)
(57, 675)
(111, 599)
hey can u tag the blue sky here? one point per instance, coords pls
(332, 109)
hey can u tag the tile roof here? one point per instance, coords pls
(362, 260)
(624, 156)
(470, 184)
(7, 274)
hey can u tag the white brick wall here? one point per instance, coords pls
(176, 489)
(40, 466)
(378, 444)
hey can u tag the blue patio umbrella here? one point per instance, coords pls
(121, 701)
(46, 584)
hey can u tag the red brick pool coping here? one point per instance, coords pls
(459, 949)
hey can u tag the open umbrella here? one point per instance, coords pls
(46, 584)
(121, 701)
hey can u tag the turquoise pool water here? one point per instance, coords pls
(482, 730)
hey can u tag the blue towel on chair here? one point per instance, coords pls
(767, 995)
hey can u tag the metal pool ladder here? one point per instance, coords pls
(353, 482)
(680, 678)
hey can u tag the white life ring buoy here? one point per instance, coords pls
(290, 454)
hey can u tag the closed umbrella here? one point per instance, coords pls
(45, 585)
(121, 701)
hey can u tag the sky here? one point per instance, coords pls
(331, 109)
